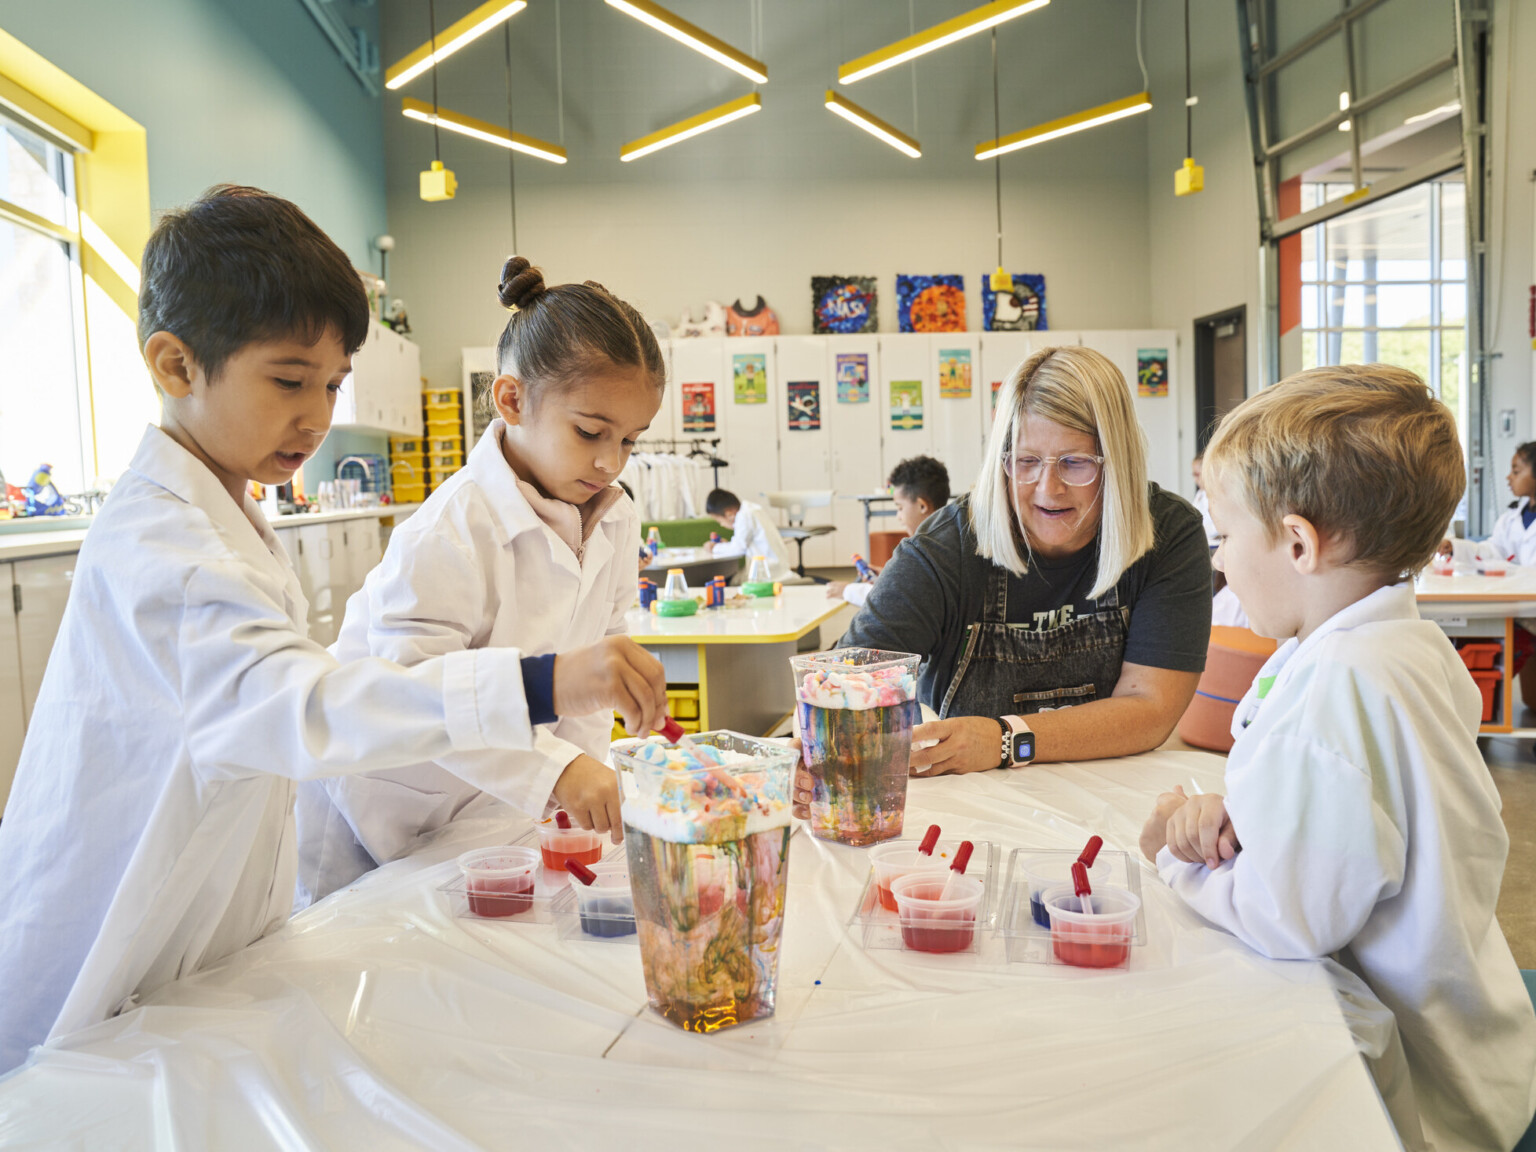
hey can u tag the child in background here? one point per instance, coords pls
(1360, 823)
(920, 487)
(1202, 500)
(529, 546)
(149, 832)
(753, 534)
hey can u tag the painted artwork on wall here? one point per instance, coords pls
(749, 372)
(906, 405)
(930, 303)
(844, 304)
(804, 405)
(1022, 310)
(852, 378)
(954, 374)
(997, 386)
(699, 407)
(1152, 372)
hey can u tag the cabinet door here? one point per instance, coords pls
(850, 412)
(408, 388)
(13, 724)
(44, 590)
(908, 386)
(360, 540)
(959, 435)
(314, 560)
(805, 453)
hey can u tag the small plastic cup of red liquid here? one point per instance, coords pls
(499, 881)
(1099, 937)
(557, 844)
(929, 922)
(897, 858)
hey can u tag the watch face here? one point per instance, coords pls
(1023, 747)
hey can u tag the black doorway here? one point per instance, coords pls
(1221, 369)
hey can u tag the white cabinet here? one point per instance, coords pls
(383, 393)
(43, 587)
(13, 723)
(332, 560)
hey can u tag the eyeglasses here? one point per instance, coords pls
(1074, 470)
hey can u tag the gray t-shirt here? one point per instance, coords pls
(935, 587)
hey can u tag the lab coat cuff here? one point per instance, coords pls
(539, 688)
(483, 701)
(1171, 868)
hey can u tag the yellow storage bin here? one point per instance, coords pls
(452, 461)
(446, 444)
(399, 445)
(683, 704)
(417, 460)
(409, 493)
(436, 412)
(444, 429)
(620, 733)
(436, 476)
(440, 397)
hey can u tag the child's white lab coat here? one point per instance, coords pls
(1370, 829)
(755, 534)
(149, 832)
(475, 567)
(1510, 541)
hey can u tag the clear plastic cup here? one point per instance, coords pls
(855, 708)
(677, 585)
(1099, 938)
(605, 907)
(1492, 567)
(1053, 869)
(557, 845)
(499, 881)
(897, 858)
(757, 571)
(930, 923)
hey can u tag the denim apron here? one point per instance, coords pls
(1013, 670)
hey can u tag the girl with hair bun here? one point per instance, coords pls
(530, 546)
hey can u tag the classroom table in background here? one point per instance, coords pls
(377, 1020)
(729, 667)
(1473, 608)
(870, 511)
(698, 566)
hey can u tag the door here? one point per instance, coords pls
(43, 589)
(805, 451)
(1221, 369)
(13, 723)
(850, 413)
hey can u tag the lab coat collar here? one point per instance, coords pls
(489, 469)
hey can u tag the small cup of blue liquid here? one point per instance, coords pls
(1051, 869)
(605, 906)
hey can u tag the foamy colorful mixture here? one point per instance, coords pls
(857, 689)
(695, 796)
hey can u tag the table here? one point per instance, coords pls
(730, 666)
(376, 1020)
(698, 566)
(1471, 607)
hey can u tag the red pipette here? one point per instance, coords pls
(1090, 851)
(579, 870)
(930, 840)
(674, 734)
(1081, 888)
(562, 820)
(962, 858)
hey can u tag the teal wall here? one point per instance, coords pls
(240, 91)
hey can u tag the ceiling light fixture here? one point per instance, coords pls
(932, 39)
(1077, 122)
(454, 37)
(683, 129)
(872, 124)
(482, 130)
(692, 36)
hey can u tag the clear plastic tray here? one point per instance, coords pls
(879, 927)
(547, 887)
(1029, 943)
(567, 918)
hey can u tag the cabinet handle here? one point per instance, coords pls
(16, 598)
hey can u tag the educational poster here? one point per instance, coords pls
(843, 304)
(699, 407)
(1021, 310)
(749, 370)
(997, 386)
(804, 405)
(930, 303)
(954, 374)
(852, 378)
(1151, 371)
(906, 405)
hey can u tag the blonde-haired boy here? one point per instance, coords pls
(1360, 823)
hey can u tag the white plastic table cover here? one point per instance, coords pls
(376, 1020)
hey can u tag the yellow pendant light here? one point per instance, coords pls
(931, 39)
(872, 124)
(1054, 129)
(484, 130)
(454, 37)
(683, 129)
(692, 36)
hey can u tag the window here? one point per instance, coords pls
(1387, 283)
(42, 360)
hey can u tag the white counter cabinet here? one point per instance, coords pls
(39, 589)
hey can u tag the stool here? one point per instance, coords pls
(1232, 661)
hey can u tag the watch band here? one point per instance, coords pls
(1012, 726)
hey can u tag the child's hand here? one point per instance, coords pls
(614, 673)
(1154, 834)
(1447, 548)
(588, 790)
(835, 589)
(1200, 832)
(709, 548)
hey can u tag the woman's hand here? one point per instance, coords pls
(964, 744)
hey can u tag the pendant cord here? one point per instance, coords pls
(437, 143)
(511, 155)
(1189, 111)
(997, 161)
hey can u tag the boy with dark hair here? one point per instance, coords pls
(752, 532)
(150, 831)
(920, 487)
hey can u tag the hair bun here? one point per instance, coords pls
(521, 283)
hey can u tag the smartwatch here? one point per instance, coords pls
(1018, 742)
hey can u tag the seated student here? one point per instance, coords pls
(1202, 500)
(526, 547)
(754, 534)
(920, 487)
(149, 832)
(1360, 824)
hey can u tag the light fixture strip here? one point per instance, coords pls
(1054, 129)
(454, 37)
(872, 124)
(483, 130)
(692, 36)
(931, 39)
(683, 129)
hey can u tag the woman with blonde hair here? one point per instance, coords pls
(1062, 608)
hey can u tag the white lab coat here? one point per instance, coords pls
(149, 832)
(755, 534)
(1370, 831)
(1202, 504)
(475, 567)
(1510, 541)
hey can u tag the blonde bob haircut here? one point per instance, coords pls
(1363, 451)
(1079, 389)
